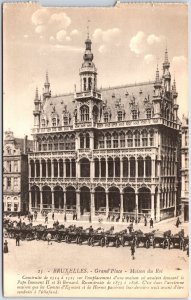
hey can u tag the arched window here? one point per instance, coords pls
(140, 167)
(84, 84)
(144, 138)
(119, 116)
(84, 167)
(54, 122)
(108, 140)
(132, 167)
(95, 113)
(89, 83)
(84, 112)
(65, 120)
(87, 141)
(134, 114)
(43, 123)
(151, 137)
(81, 141)
(148, 113)
(148, 166)
(122, 139)
(101, 141)
(129, 139)
(137, 139)
(115, 140)
(106, 117)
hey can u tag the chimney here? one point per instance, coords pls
(25, 144)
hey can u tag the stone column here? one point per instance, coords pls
(121, 206)
(29, 165)
(30, 201)
(58, 169)
(41, 203)
(107, 203)
(121, 168)
(52, 169)
(35, 199)
(35, 169)
(144, 167)
(106, 168)
(136, 205)
(77, 169)
(52, 201)
(99, 168)
(40, 163)
(158, 207)
(114, 168)
(136, 168)
(46, 169)
(152, 205)
(64, 196)
(70, 168)
(128, 173)
(92, 208)
(78, 204)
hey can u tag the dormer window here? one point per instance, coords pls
(43, 123)
(134, 114)
(106, 117)
(53, 122)
(148, 113)
(119, 116)
(65, 120)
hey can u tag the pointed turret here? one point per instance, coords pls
(166, 72)
(157, 83)
(47, 92)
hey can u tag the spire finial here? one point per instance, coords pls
(36, 94)
(88, 33)
(166, 55)
(157, 74)
(47, 81)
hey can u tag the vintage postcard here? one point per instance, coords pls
(95, 151)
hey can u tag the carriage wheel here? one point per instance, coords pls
(122, 242)
(67, 239)
(92, 242)
(79, 240)
(102, 242)
(154, 244)
(6, 235)
(147, 244)
(164, 244)
(116, 243)
(89, 242)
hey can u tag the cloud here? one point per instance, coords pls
(179, 59)
(61, 35)
(74, 32)
(40, 16)
(61, 19)
(102, 49)
(59, 47)
(51, 38)
(107, 35)
(137, 42)
(152, 39)
(40, 28)
(149, 58)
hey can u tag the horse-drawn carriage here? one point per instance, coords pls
(98, 237)
(112, 238)
(161, 239)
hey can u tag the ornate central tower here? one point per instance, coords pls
(88, 71)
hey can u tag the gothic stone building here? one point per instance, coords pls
(15, 173)
(109, 151)
(184, 170)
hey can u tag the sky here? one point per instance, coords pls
(128, 41)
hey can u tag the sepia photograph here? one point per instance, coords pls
(95, 151)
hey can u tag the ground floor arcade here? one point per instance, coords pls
(100, 202)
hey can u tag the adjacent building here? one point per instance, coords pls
(15, 173)
(105, 152)
(185, 169)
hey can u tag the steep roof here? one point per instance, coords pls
(125, 98)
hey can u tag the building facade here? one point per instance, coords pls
(185, 170)
(106, 152)
(15, 173)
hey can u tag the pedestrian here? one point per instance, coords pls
(145, 221)
(49, 238)
(178, 222)
(31, 218)
(133, 250)
(5, 248)
(151, 223)
(53, 216)
(18, 239)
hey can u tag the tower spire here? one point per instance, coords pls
(157, 79)
(47, 81)
(47, 92)
(36, 94)
(88, 33)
